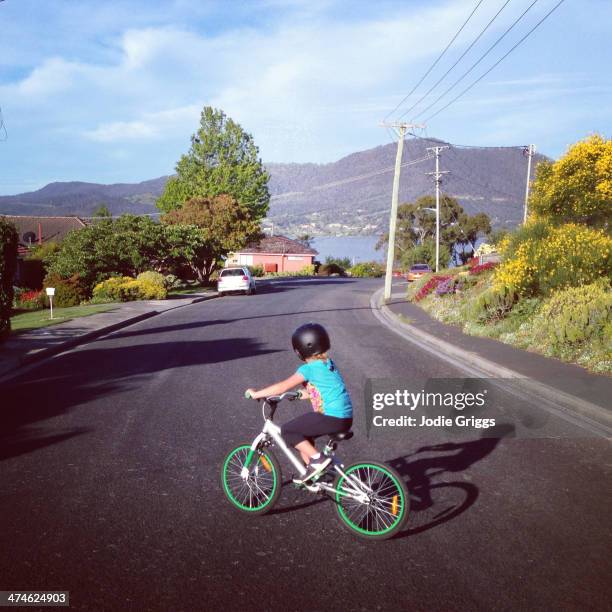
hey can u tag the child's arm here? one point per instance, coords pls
(277, 388)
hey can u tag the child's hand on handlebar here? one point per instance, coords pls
(250, 393)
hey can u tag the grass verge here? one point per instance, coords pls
(35, 319)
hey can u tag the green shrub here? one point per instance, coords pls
(8, 261)
(256, 270)
(329, 269)
(172, 281)
(308, 270)
(154, 278)
(367, 269)
(494, 304)
(68, 291)
(343, 262)
(577, 314)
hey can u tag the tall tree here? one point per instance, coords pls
(224, 225)
(222, 158)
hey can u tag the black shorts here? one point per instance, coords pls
(313, 425)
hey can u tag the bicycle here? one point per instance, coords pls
(370, 497)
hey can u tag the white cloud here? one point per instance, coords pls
(310, 80)
(151, 126)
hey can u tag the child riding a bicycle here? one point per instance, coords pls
(320, 382)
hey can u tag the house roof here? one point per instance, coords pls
(53, 229)
(278, 245)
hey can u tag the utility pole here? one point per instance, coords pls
(529, 151)
(402, 127)
(437, 177)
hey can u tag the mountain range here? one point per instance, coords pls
(347, 197)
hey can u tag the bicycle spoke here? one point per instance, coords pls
(385, 505)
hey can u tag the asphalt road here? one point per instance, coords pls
(110, 456)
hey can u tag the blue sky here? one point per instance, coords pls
(111, 91)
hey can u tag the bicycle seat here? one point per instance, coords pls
(338, 437)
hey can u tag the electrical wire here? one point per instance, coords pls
(460, 58)
(437, 60)
(478, 61)
(537, 25)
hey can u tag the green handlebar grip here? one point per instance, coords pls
(247, 395)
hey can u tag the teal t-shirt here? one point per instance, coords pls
(328, 393)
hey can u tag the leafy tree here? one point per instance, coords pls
(224, 226)
(127, 246)
(43, 251)
(425, 253)
(577, 187)
(416, 225)
(473, 227)
(8, 261)
(306, 239)
(102, 211)
(222, 158)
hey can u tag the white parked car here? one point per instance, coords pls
(236, 279)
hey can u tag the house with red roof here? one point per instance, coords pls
(274, 254)
(33, 231)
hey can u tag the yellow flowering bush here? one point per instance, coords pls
(578, 186)
(541, 258)
(126, 289)
(108, 290)
(141, 290)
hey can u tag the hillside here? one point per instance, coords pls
(350, 196)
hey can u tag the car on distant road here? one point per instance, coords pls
(236, 279)
(417, 271)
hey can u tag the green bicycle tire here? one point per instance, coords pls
(384, 477)
(241, 497)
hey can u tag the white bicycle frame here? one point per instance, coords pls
(357, 489)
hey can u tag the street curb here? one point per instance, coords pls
(568, 406)
(27, 360)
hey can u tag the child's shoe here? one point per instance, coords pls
(315, 468)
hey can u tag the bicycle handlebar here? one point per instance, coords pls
(275, 399)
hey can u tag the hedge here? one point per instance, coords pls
(8, 262)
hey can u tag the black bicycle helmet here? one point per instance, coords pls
(310, 339)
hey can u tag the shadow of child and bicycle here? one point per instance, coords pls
(434, 499)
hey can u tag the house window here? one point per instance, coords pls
(294, 258)
(245, 260)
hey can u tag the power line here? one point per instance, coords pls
(460, 58)
(464, 146)
(478, 61)
(292, 194)
(437, 60)
(537, 25)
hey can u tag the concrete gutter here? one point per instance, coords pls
(569, 407)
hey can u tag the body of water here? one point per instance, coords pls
(359, 248)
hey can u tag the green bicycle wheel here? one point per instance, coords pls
(382, 512)
(257, 493)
